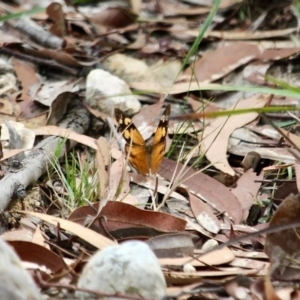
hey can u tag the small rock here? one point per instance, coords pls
(209, 245)
(15, 282)
(105, 91)
(188, 268)
(128, 269)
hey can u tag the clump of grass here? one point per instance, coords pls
(78, 179)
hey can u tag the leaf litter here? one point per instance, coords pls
(197, 199)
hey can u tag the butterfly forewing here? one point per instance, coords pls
(159, 141)
(135, 146)
(128, 129)
(144, 158)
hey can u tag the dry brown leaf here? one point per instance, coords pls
(273, 153)
(177, 88)
(270, 293)
(136, 6)
(39, 239)
(256, 72)
(51, 91)
(27, 75)
(188, 277)
(59, 107)
(261, 266)
(66, 133)
(284, 252)
(127, 221)
(113, 17)
(172, 245)
(214, 139)
(293, 137)
(23, 234)
(204, 214)
(208, 189)
(214, 258)
(56, 15)
(152, 184)
(220, 62)
(297, 171)
(31, 252)
(286, 189)
(244, 35)
(119, 182)
(171, 8)
(237, 291)
(11, 153)
(250, 254)
(84, 233)
(247, 190)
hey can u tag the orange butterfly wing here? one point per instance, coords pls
(135, 146)
(144, 158)
(159, 141)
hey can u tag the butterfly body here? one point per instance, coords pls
(144, 156)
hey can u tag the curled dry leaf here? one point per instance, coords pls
(214, 139)
(31, 252)
(125, 220)
(50, 91)
(56, 15)
(59, 107)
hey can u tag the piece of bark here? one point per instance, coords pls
(16, 180)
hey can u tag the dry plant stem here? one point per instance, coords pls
(15, 182)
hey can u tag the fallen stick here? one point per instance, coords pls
(13, 185)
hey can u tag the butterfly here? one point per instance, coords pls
(143, 155)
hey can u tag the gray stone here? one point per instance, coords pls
(105, 91)
(130, 268)
(15, 282)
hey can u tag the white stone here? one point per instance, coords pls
(15, 282)
(209, 245)
(105, 91)
(130, 268)
(188, 268)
